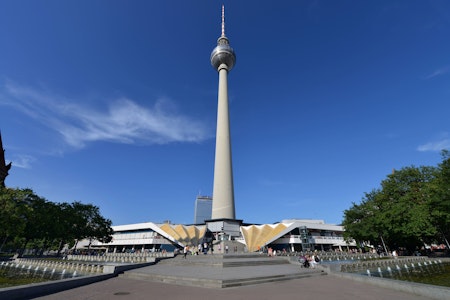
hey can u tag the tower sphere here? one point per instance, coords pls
(223, 54)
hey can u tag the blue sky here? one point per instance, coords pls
(114, 102)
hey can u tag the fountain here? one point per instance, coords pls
(390, 271)
(417, 269)
(379, 272)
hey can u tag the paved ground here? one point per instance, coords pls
(321, 287)
(200, 267)
(314, 287)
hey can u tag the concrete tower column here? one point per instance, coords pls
(223, 192)
(223, 60)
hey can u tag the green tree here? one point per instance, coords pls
(31, 220)
(406, 215)
(359, 220)
(38, 215)
(399, 213)
(64, 225)
(12, 223)
(440, 199)
(90, 224)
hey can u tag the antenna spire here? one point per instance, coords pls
(223, 20)
(223, 53)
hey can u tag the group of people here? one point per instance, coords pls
(204, 248)
(201, 248)
(309, 261)
(274, 252)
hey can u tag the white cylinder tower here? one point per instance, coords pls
(223, 60)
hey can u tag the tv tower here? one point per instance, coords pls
(223, 60)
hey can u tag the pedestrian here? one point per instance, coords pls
(185, 251)
(313, 261)
(226, 248)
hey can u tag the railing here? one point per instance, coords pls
(315, 237)
(297, 239)
(132, 241)
(84, 268)
(137, 257)
(336, 256)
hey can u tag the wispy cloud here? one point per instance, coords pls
(437, 145)
(122, 121)
(438, 72)
(22, 161)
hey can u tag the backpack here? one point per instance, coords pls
(316, 258)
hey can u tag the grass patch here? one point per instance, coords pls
(8, 279)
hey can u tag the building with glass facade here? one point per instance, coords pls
(203, 209)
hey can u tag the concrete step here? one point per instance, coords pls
(255, 262)
(221, 271)
(265, 279)
(225, 262)
(217, 282)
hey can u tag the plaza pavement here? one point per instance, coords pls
(321, 287)
(312, 286)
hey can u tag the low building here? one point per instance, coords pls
(296, 235)
(290, 235)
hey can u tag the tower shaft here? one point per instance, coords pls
(223, 60)
(223, 192)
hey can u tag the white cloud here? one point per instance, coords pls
(22, 161)
(438, 72)
(124, 121)
(436, 146)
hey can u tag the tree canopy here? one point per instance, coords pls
(26, 218)
(410, 209)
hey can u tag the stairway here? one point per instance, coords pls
(221, 271)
